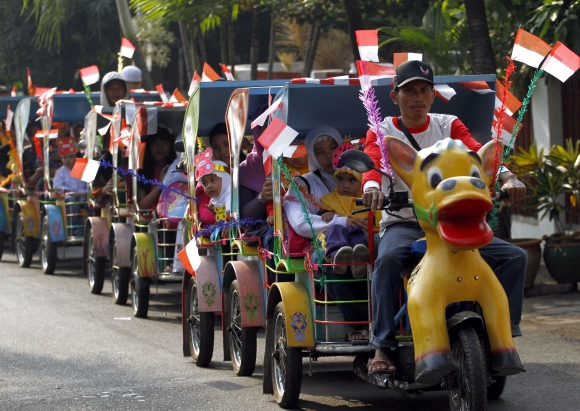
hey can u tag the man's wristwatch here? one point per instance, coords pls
(261, 199)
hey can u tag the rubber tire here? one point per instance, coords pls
(119, 279)
(200, 328)
(244, 358)
(495, 390)
(288, 365)
(468, 354)
(139, 289)
(98, 267)
(47, 249)
(2, 239)
(25, 258)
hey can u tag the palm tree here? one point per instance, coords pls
(481, 50)
(52, 16)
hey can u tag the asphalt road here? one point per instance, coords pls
(62, 348)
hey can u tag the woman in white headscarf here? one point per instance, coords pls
(320, 145)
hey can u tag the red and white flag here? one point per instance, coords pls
(267, 160)
(561, 62)
(529, 49)
(369, 71)
(195, 80)
(512, 104)
(227, 72)
(177, 97)
(127, 48)
(189, 256)
(508, 123)
(261, 119)
(399, 58)
(147, 120)
(161, 92)
(295, 152)
(85, 169)
(13, 92)
(89, 75)
(29, 80)
(277, 137)
(209, 74)
(480, 87)
(368, 44)
(9, 117)
(444, 92)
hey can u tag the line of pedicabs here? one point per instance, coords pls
(253, 270)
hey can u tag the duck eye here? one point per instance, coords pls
(474, 172)
(434, 176)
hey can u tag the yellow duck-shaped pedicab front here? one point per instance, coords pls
(449, 184)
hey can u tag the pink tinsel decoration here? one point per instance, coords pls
(374, 117)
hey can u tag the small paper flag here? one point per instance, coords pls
(85, 169)
(127, 48)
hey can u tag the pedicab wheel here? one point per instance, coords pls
(469, 391)
(495, 390)
(286, 364)
(47, 249)
(96, 266)
(139, 289)
(199, 328)
(242, 339)
(119, 278)
(25, 246)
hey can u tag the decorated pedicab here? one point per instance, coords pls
(24, 221)
(63, 213)
(228, 278)
(13, 167)
(111, 220)
(304, 320)
(153, 245)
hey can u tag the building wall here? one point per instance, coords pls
(547, 129)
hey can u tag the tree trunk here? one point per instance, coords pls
(129, 33)
(481, 49)
(272, 46)
(231, 45)
(202, 49)
(312, 44)
(255, 44)
(187, 49)
(354, 22)
(224, 40)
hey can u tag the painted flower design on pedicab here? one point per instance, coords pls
(298, 324)
(209, 290)
(251, 303)
(30, 223)
(55, 228)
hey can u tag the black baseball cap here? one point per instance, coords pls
(413, 70)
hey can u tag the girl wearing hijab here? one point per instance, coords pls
(320, 145)
(217, 185)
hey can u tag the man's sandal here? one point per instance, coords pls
(375, 367)
(358, 341)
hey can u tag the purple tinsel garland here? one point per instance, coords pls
(144, 180)
(227, 224)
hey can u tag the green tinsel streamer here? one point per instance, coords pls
(315, 242)
(521, 112)
(88, 94)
